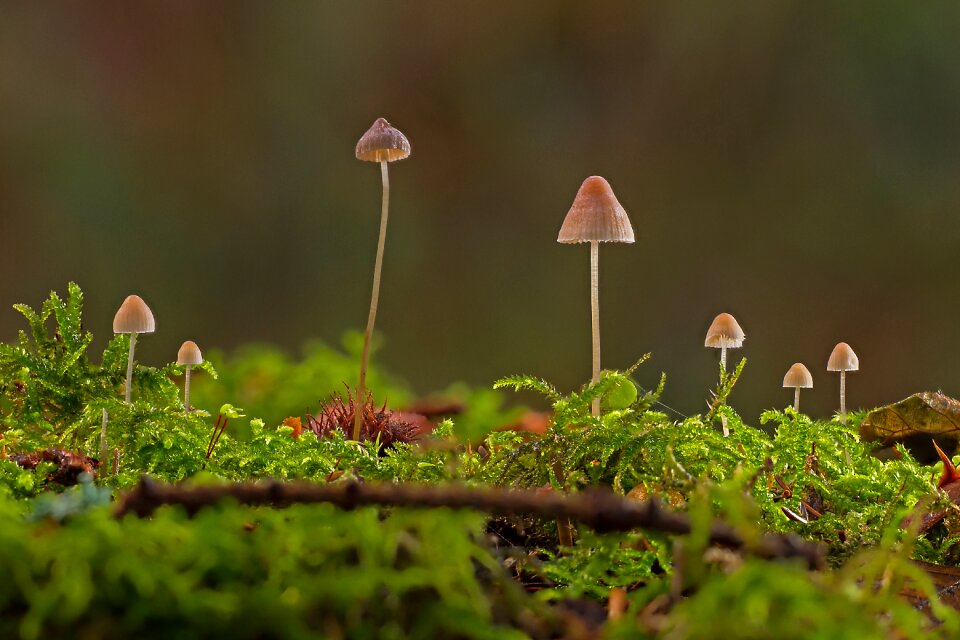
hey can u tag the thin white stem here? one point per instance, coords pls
(103, 446)
(186, 391)
(133, 342)
(843, 396)
(595, 315)
(723, 367)
(374, 298)
(796, 399)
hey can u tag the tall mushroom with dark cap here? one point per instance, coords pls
(843, 359)
(133, 317)
(188, 356)
(596, 216)
(797, 377)
(384, 144)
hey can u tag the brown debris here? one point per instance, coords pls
(69, 464)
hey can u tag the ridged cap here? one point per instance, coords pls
(134, 316)
(724, 332)
(596, 215)
(382, 143)
(189, 353)
(842, 358)
(798, 376)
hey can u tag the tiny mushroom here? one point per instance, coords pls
(133, 317)
(843, 359)
(381, 143)
(724, 333)
(797, 377)
(596, 216)
(189, 355)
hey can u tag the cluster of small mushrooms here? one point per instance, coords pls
(595, 216)
(725, 333)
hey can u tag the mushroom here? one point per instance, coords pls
(381, 143)
(596, 216)
(843, 359)
(724, 333)
(133, 317)
(797, 377)
(188, 355)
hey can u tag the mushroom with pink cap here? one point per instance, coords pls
(133, 317)
(843, 359)
(797, 377)
(596, 216)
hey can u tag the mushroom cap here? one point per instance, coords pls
(382, 143)
(842, 358)
(189, 353)
(595, 216)
(134, 316)
(798, 376)
(724, 332)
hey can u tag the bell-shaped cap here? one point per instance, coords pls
(134, 316)
(189, 353)
(798, 376)
(842, 358)
(596, 215)
(382, 143)
(724, 332)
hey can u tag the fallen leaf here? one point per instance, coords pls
(914, 421)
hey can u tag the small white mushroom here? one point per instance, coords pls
(797, 377)
(724, 333)
(189, 355)
(843, 359)
(133, 317)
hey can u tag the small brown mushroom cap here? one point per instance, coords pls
(189, 353)
(596, 215)
(724, 331)
(382, 143)
(842, 358)
(798, 376)
(134, 316)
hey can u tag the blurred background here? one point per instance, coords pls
(796, 163)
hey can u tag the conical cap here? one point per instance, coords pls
(842, 358)
(596, 215)
(134, 316)
(798, 376)
(189, 353)
(724, 331)
(382, 143)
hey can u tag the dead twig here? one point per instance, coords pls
(599, 509)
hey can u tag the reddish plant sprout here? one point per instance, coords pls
(382, 425)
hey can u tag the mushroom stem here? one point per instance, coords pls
(796, 399)
(186, 391)
(103, 446)
(843, 396)
(133, 342)
(595, 315)
(723, 358)
(375, 296)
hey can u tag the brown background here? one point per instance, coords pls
(794, 163)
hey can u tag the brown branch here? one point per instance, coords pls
(601, 510)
